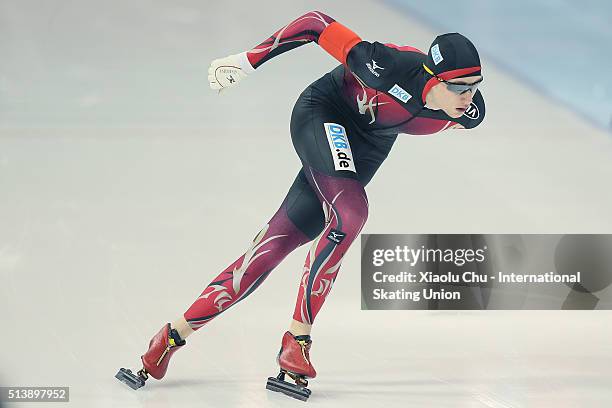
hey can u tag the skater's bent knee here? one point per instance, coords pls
(353, 214)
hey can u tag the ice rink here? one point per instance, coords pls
(126, 185)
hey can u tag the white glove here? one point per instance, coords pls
(229, 71)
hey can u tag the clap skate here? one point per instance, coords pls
(155, 361)
(294, 361)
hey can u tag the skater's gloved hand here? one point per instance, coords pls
(229, 71)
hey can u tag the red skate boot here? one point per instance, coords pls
(155, 361)
(294, 361)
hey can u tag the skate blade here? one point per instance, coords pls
(301, 393)
(129, 378)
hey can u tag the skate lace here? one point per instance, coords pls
(305, 346)
(166, 350)
(162, 356)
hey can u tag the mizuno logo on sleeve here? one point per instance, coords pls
(372, 67)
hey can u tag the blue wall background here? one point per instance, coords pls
(562, 48)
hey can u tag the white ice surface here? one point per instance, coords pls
(117, 210)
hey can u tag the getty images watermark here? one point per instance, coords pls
(34, 394)
(486, 271)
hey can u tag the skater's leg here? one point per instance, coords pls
(352, 201)
(307, 214)
(346, 208)
(303, 209)
(299, 219)
(323, 139)
(271, 245)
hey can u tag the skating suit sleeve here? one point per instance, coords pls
(314, 26)
(374, 64)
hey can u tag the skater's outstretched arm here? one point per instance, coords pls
(314, 26)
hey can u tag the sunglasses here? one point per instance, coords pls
(461, 88)
(458, 88)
